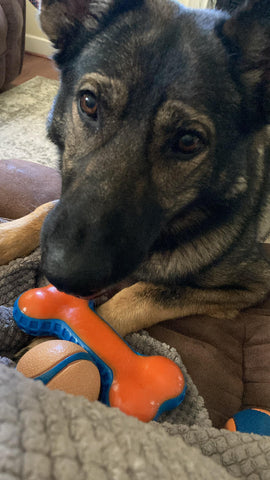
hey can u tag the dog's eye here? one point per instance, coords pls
(189, 143)
(88, 104)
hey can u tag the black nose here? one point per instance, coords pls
(65, 272)
(78, 260)
(75, 269)
(89, 246)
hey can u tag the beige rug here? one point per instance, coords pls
(23, 116)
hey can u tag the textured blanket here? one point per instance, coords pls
(47, 435)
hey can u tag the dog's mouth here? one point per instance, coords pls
(103, 295)
(94, 294)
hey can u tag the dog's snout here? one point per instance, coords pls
(56, 267)
(72, 263)
(65, 276)
(72, 271)
(84, 249)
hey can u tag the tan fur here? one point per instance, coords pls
(20, 237)
(135, 308)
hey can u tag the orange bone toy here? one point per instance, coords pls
(141, 386)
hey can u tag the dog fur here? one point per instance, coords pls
(20, 237)
(162, 125)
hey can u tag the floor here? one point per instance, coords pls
(34, 65)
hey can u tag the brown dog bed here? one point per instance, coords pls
(229, 361)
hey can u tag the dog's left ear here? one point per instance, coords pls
(246, 35)
(62, 19)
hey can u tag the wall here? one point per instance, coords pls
(195, 3)
(37, 42)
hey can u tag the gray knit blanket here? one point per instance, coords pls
(50, 435)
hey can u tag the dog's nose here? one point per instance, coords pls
(94, 248)
(69, 259)
(58, 269)
(72, 272)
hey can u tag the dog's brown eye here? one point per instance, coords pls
(189, 143)
(88, 104)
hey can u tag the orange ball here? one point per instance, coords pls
(76, 376)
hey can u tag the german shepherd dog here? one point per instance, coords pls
(161, 121)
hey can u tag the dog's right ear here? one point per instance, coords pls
(246, 35)
(60, 19)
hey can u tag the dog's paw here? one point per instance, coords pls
(129, 310)
(116, 312)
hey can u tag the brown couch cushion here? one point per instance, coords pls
(26, 185)
(12, 30)
(3, 45)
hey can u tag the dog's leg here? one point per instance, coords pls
(20, 237)
(143, 305)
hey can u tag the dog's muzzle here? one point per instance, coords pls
(82, 253)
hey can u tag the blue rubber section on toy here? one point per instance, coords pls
(171, 403)
(50, 374)
(252, 421)
(58, 328)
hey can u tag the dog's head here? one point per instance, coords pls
(154, 114)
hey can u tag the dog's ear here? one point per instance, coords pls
(228, 5)
(247, 36)
(60, 19)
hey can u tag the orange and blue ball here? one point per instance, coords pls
(251, 420)
(62, 365)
